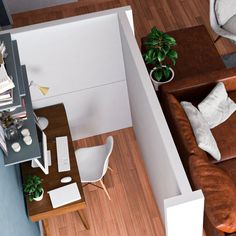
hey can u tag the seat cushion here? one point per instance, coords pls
(225, 134)
(224, 10)
(230, 25)
(229, 167)
(218, 189)
(90, 162)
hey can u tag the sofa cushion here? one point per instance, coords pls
(224, 9)
(180, 126)
(217, 107)
(201, 130)
(229, 166)
(225, 134)
(230, 25)
(219, 191)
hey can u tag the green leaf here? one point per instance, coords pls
(172, 54)
(157, 75)
(166, 48)
(161, 56)
(173, 61)
(166, 73)
(170, 40)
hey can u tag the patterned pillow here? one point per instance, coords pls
(217, 106)
(201, 130)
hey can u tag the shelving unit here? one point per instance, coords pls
(20, 91)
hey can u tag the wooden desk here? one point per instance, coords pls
(42, 210)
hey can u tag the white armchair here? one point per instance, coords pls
(223, 18)
(93, 163)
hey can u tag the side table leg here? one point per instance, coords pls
(83, 219)
(46, 227)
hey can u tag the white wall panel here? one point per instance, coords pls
(73, 56)
(94, 111)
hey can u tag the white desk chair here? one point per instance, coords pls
(93, 163)
(223, 18)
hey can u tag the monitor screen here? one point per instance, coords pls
(43, 161)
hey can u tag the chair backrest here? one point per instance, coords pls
(108, 147)
(224, 10)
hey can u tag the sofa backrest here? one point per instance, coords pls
(196, 88)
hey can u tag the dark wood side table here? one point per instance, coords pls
(42, 210)
(196, 52)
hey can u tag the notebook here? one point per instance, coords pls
(64, 195)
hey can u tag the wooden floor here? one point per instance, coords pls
(132, 210)
(167, 15)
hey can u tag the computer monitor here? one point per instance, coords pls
(43, 161)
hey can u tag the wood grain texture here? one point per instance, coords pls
(132, 209)
(167, 15)
(58, 126)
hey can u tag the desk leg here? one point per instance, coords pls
(46, 227)
(83, 219)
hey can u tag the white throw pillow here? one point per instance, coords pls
(230, 25)
(217, 107)
(224, 9)
(201, 130)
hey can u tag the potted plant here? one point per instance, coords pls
(33, 188)
(160, 55)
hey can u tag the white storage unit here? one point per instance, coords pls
(92, 63)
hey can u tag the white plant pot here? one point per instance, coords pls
(155, 83)
(40, 197)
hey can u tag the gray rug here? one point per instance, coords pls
(229, 60)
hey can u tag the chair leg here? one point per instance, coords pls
(105, 189)
(110, 168)
(217, 39)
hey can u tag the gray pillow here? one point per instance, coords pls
(230, 25)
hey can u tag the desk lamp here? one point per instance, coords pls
(42, 121)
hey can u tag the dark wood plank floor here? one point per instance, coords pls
(132, 210)
(166, 14)
(120, 217)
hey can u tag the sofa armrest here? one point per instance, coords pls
(180, 128)
(218, 189)
(179, 87)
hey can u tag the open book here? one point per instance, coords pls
(5, 82)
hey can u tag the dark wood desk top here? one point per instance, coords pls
(196, 52)
(58, 126)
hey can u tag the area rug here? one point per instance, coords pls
(229, 60)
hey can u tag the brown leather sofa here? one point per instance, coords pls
(216, 179)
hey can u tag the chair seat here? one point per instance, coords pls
(90, 162)
(230, 25)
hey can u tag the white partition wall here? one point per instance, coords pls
(93, 65)
(180, 208)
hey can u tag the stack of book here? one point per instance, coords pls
(20, 112)
(6, 86)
